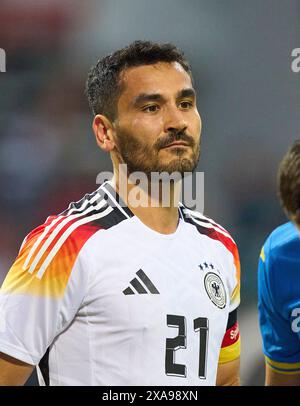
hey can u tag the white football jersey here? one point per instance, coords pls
(95, 297)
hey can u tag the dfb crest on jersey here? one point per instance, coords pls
(215, 289)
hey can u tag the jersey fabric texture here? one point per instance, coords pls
(279, 299)
(95, 297)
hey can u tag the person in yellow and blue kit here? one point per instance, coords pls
(279, 281)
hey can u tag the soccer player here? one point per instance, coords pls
(279, 282)
(114, 293)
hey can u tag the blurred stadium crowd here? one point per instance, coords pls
(46, 159)
(247, 95)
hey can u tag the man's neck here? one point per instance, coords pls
(157, 210)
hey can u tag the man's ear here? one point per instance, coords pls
(104, 132)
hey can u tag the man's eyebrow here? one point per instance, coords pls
(189, 92)
(145, 97)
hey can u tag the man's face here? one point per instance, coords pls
(157, 108)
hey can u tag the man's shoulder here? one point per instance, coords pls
(83, 215)
(50, 251)
(81, 219)
(283, 241)
(64, 234)
(278, 270)
(205, 224)
(210, 228)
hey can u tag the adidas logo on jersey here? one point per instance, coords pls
(142, 285)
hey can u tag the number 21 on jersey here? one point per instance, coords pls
(179, 342)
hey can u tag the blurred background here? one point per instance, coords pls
(248, 98)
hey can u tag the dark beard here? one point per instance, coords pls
(138, 158)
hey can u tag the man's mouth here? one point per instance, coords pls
(177, 144)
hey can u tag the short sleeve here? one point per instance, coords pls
(43, 289)
(231, 344)
(281, 345)
(235, 296)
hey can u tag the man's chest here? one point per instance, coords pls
(147, 301)
(141, 288)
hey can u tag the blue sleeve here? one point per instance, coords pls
(281, 344)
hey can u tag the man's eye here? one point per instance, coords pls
(186, 105)
(151, 109)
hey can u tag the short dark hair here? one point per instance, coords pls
(289, 182)
(103, 86)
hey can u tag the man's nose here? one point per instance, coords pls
(174, 120)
